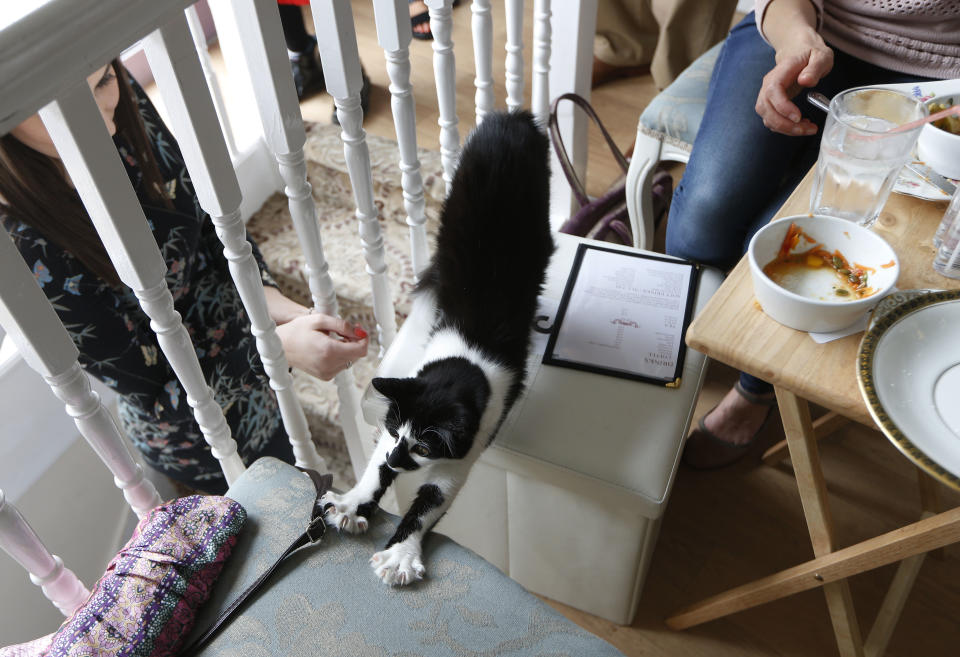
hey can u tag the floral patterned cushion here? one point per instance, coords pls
(326, 600)
(675, 112)
(146, 602)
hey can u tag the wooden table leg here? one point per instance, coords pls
(828, 423)
(930, 502)
(805, 456)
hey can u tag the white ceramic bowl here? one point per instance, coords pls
(856, 243)
(939, 149)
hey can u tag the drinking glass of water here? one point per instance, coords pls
(859, 162)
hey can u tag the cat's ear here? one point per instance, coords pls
(395, 389)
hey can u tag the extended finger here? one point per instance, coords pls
(321, 322)
(344, 352)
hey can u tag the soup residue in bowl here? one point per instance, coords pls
(817, 273)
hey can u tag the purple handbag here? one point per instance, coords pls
(603, 218)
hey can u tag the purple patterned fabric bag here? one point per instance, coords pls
(146, 602)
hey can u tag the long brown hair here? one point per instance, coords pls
(33, 188)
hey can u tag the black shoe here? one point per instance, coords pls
(364, 97)
(307, 72)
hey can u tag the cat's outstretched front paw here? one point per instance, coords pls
(399, 564)
(340, 512)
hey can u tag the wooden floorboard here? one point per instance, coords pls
(726, 527)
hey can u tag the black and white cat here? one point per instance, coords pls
(489, 266)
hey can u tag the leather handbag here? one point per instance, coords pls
(602, 218)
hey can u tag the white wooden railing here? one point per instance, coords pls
(44, 60)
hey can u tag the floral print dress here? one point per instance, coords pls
(118, 346)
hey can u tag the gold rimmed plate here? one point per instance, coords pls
(908, 369)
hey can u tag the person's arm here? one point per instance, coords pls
(802, 60)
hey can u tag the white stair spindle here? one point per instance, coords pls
(77, 130)
(46, 570)
(179, 76)
(514, 48)
(333, 24)
(258, 25)
(213, 84)
(540, 100)
(482, 26)
(445, 75)
(394, 34)
(41, 339)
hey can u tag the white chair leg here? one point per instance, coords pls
(646, 154)
(394, 34)
(58, 583)
(482, 26)
(77, 130)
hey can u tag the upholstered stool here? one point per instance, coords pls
(568, 499)
(666, 132)
(326, 600)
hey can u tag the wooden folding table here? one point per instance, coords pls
(734, 330)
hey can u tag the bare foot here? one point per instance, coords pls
(418, 7)
(735, 419)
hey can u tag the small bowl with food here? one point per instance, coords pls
(819, 273)
(938, 145)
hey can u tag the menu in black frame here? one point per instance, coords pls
(624, 314)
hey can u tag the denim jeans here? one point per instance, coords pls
(740, 172)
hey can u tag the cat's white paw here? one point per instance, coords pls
(399, 564)
(340, 512)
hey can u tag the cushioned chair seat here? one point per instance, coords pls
(326, 600)
(676, 111)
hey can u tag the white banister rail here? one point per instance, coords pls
(337, 39)
(258, 25)
(179, 76)
(77, 130)
(540, 95)
(482, 26)
(445, 74)
(394, 34)
(35, 329)
(59, 584)
(514, 48)
(200, 43)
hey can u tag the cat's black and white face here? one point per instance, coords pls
(435, 415)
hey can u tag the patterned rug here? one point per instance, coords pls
(272, 229)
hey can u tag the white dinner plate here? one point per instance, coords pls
(909, 374)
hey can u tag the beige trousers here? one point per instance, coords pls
(667, 35)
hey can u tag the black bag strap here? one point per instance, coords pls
(313, 534)
(575, 184)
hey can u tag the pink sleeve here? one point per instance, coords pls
(760, 9)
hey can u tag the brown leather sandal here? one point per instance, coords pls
(705, 450)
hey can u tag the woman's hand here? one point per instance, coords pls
(802, 60)
(322, 345)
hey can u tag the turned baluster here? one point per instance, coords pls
(44, 344)
(540, 96)
(482, 25)
(514, 47)
(445, 75)
(258, 26)
(58, 583)
(394, 35)
(77, 130)
(179, 77)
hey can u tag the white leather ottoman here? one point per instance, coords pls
(568, 499)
